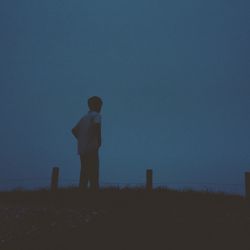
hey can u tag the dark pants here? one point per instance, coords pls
(89, 173)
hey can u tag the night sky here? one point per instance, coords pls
(174, 77)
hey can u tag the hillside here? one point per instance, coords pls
(123, 219)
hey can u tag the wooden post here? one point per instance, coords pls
(149, 182)
(54, 179)
(247, 185)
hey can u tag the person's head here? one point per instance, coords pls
(95, 103)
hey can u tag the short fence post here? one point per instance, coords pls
(247, 185)
(54, 179)
(149, 181)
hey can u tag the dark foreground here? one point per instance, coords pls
(123, 219)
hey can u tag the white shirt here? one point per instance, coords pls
(87, 140)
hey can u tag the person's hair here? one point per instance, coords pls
(95, 103)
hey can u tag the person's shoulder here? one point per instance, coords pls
(84, 118)
(97, 118)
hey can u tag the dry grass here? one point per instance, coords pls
(128, 218)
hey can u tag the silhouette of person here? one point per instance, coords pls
(88, 134)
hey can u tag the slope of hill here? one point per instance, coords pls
(123, 219)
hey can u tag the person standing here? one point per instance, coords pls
(88, 134)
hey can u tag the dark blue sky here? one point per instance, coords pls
(173, 75)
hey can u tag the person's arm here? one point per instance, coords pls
(97, 129)
(75, 131)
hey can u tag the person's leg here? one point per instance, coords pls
(83, 182)
(94, 170)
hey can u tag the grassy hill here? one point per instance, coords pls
(123, 219)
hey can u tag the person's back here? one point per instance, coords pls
(88, 134)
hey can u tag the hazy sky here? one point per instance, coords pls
(173, 75)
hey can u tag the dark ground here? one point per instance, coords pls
(123, 219)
